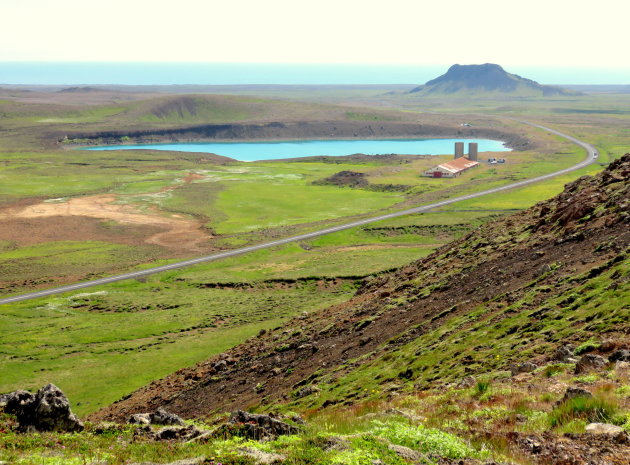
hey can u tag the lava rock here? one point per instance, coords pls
(589, 362)
(221, 365)
(140, 419)
(3, 400)
(177, 433)
(260, 457)
(47, 410)
(14, 401)
(622, 355)
(406, 453)
(467, 382)
(603, 428)
(306, 391)
(159, 417)
(256, 426)
(526, 367)
(564, 353)
(162, 417)
(572, 393)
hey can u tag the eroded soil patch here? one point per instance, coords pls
(74, 219)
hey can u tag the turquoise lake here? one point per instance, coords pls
(255, 151)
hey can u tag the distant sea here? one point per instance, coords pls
(94, 73)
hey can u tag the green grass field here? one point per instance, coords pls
(100, 345)
(127, 334)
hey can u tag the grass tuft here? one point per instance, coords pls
(481, 388)
(592, 409)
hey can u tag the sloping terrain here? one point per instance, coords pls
(486, 78)
(510, 291)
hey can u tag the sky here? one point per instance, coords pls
(410, 32)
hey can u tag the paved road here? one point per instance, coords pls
(591, 157)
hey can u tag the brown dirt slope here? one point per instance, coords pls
(585, 228)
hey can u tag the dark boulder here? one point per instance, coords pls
(564, 353)
(162, 417)
(159, 417)
(589, 362)
(255, 426)
(526, 367)
(622, 355)
(13, 402)
(306, 391)
(572, 393)
(180, 433)
(140, 419)
(47, 410)
(467, 382)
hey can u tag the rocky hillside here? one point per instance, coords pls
(504, 297)
(483, 79)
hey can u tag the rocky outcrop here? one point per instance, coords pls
(564, 354)
(159, 417)
(47, 410)
(260, 457)
(574, 392)
(256, 426)
(590, 362)
(407, 454)
(140, 419)
(622, 355)
(182, 433)
(346, 178)
(603, 428)
(526, 367)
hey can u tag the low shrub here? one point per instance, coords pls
(588, 346)
(551, 370)
(592, 409)
(425, 440)
(481, 388)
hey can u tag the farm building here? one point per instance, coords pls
(451, 169)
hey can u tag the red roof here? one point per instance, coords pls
(459, 164)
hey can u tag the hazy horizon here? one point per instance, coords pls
(179, 73)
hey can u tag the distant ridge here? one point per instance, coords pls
(80, 89)
(489, 78)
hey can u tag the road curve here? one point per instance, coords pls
(591, 157)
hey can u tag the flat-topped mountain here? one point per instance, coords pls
(484, 79)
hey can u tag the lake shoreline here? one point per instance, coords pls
(249, 151)
(277, 132)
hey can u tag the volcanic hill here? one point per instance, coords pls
(485, 79)
(512, 291)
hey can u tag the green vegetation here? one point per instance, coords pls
(482, 388)
(282, 201)
(362, 445)
(131, 333)
(63, 260)
(489, 337)
(365, 116)
(588, 346)
(590, 409)
(100, 345)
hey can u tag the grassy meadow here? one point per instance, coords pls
(99, 345)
